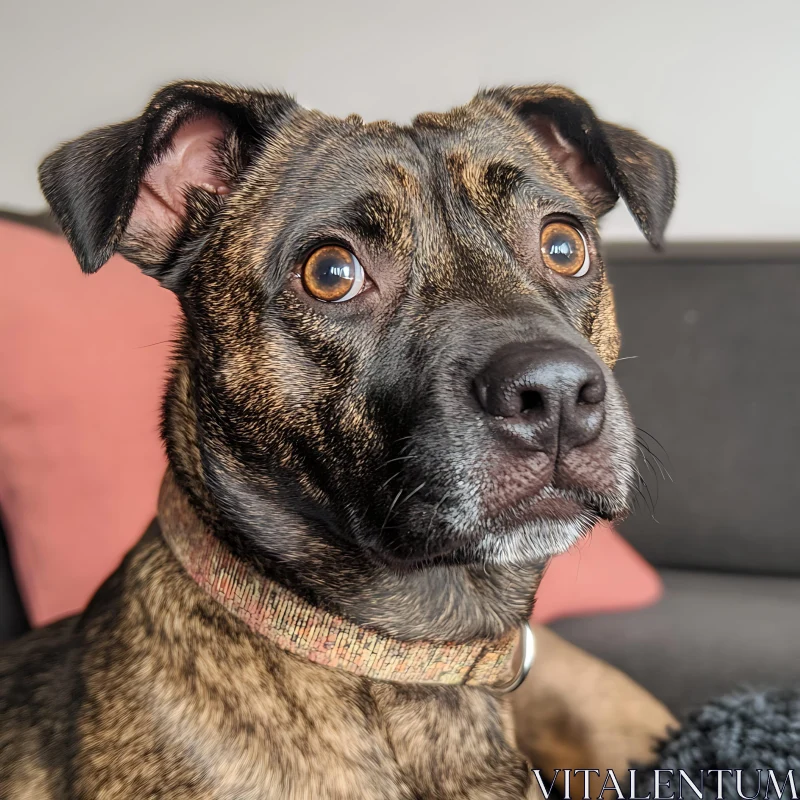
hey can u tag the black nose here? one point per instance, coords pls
(550, 393)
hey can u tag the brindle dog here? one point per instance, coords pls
(392, 393)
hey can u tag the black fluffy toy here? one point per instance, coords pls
(740, 733)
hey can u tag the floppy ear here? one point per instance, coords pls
(143, 186)
(604, 161)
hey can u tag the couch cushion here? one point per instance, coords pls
(83, 361)
(712, 371)
(709, 634)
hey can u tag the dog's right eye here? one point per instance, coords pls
(564, 249)
(332, 274)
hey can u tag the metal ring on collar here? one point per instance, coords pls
(528, 645)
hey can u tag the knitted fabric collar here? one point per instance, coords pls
(299, 627)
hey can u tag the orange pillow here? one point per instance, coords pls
(83, 362)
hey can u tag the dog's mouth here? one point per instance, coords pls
(531, 530)
(494, 505)
(555, 505)
(560, 505)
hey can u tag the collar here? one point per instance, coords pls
(271, 610)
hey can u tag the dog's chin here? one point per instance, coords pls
(528, 533)
(528, 543)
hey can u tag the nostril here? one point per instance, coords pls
(548, 390)
(531, 400)
(591, 393)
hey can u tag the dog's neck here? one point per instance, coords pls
(292, 623)
(439, 603)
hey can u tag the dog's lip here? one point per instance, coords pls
(556, 504)
(550, 503)
(555, 501)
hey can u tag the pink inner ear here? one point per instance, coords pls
(190, 161)
(587, 178)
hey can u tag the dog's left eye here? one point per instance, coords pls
(564, 249)
(332, 274)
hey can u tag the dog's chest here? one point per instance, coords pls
(345, 739)
(296, 735)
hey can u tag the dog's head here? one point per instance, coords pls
(404, 334)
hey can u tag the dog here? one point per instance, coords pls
(391, 402)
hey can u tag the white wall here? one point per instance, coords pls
(717, 82)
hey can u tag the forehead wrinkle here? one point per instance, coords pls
(459, 255)
(319, 149)
(493, 186)
(377, 158)
(377, 218)
(471, 215)
(499, 178)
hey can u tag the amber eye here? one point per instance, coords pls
(564, 249)
(333, 274)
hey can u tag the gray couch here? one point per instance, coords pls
(711, 369)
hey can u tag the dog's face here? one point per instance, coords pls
(404, 333)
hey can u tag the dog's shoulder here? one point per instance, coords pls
(34, 702)
(44, 677)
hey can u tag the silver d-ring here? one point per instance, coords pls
(528, 644)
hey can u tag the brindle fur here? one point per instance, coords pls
(335, 448)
